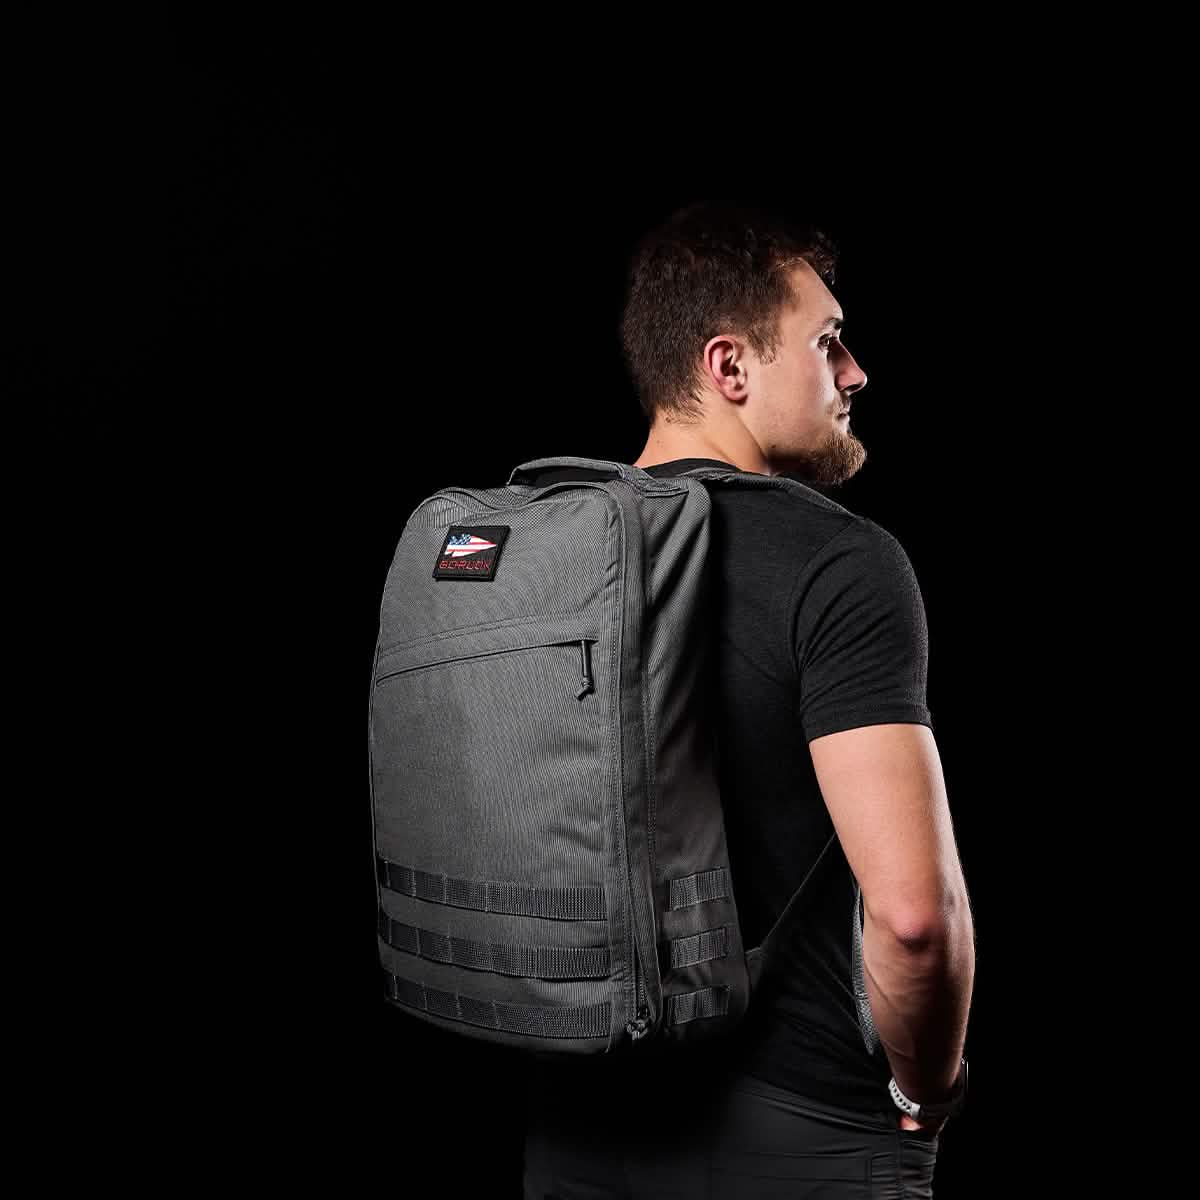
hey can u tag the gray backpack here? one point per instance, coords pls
(548, 834)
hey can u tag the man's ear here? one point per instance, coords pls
(724, 363)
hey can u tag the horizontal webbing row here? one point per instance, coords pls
(584, 902)
(707, 1002)
(531, 962)
(700, 947)
(590, 1020)
(699, 888)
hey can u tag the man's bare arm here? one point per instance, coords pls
(885, 792)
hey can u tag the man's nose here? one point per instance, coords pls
(855, 379)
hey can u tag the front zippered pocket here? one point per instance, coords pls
(475, 640)
(585, 683)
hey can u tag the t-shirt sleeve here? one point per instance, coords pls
(859, 638)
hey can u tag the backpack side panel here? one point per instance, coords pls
(699, 952)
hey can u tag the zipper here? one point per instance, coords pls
(587, 680)
(585, 669)
(639, 1027)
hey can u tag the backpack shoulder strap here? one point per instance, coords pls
(765, 955)
(753, 479)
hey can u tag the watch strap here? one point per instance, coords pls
(949, 1107)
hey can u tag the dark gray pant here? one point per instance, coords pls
(742, 1139)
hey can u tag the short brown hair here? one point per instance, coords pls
(709, 266)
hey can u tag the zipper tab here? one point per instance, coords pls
(585, 670)
(640, 1027)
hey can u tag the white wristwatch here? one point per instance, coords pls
(949, 1107)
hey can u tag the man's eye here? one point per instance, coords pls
(827, 341)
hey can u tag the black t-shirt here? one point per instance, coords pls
(821, 627)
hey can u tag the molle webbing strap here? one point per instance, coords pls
(698, 888)
(582, 903)
(700, 947)
(592, 1020)
(707, 1002)
(531, 962)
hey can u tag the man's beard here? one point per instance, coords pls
(838, 458)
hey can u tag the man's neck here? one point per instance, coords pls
(664, 450)
(732, 443)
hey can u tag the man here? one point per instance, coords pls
(733, 339)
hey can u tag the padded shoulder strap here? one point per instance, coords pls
(752, 479)
(715, 473)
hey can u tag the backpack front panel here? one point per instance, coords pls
(495, 737)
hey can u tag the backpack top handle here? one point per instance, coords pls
(610, 469)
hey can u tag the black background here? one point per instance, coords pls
(306, 286)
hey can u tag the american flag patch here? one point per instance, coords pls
(467, 543)
(470, 552)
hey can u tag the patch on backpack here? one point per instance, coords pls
(470, 552)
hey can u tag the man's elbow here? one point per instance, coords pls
(936, 925)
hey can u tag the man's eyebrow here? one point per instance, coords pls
(831, 323)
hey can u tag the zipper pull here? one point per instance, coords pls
(585, 670)
(639, 1028)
